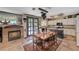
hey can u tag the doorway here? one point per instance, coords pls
(32, 26)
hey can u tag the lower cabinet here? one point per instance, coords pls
(60, 34)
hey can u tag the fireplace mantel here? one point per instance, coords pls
(7, 29)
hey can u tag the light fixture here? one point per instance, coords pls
(44, 23)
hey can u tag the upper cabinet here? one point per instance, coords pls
(70, 21)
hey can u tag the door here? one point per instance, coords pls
(32, 26)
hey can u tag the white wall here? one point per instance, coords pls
(77, 30)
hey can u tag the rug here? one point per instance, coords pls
(34, 47)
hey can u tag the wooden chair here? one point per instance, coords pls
(38, 43)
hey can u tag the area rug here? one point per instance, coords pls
(31, 47)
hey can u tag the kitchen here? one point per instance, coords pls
(39, 29)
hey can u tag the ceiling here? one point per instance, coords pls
(51, 10)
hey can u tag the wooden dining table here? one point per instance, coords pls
(43, 36)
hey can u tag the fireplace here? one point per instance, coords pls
(13, 35)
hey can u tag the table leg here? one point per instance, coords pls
(36, 44)
(56, 39)
(33, 44)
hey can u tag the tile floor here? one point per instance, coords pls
(68, 44)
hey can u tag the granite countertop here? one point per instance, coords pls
(65, 26)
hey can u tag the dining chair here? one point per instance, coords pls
(38, 43)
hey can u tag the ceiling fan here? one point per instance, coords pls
(43, 12)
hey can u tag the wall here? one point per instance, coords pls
(77, 30)
(9, 16)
